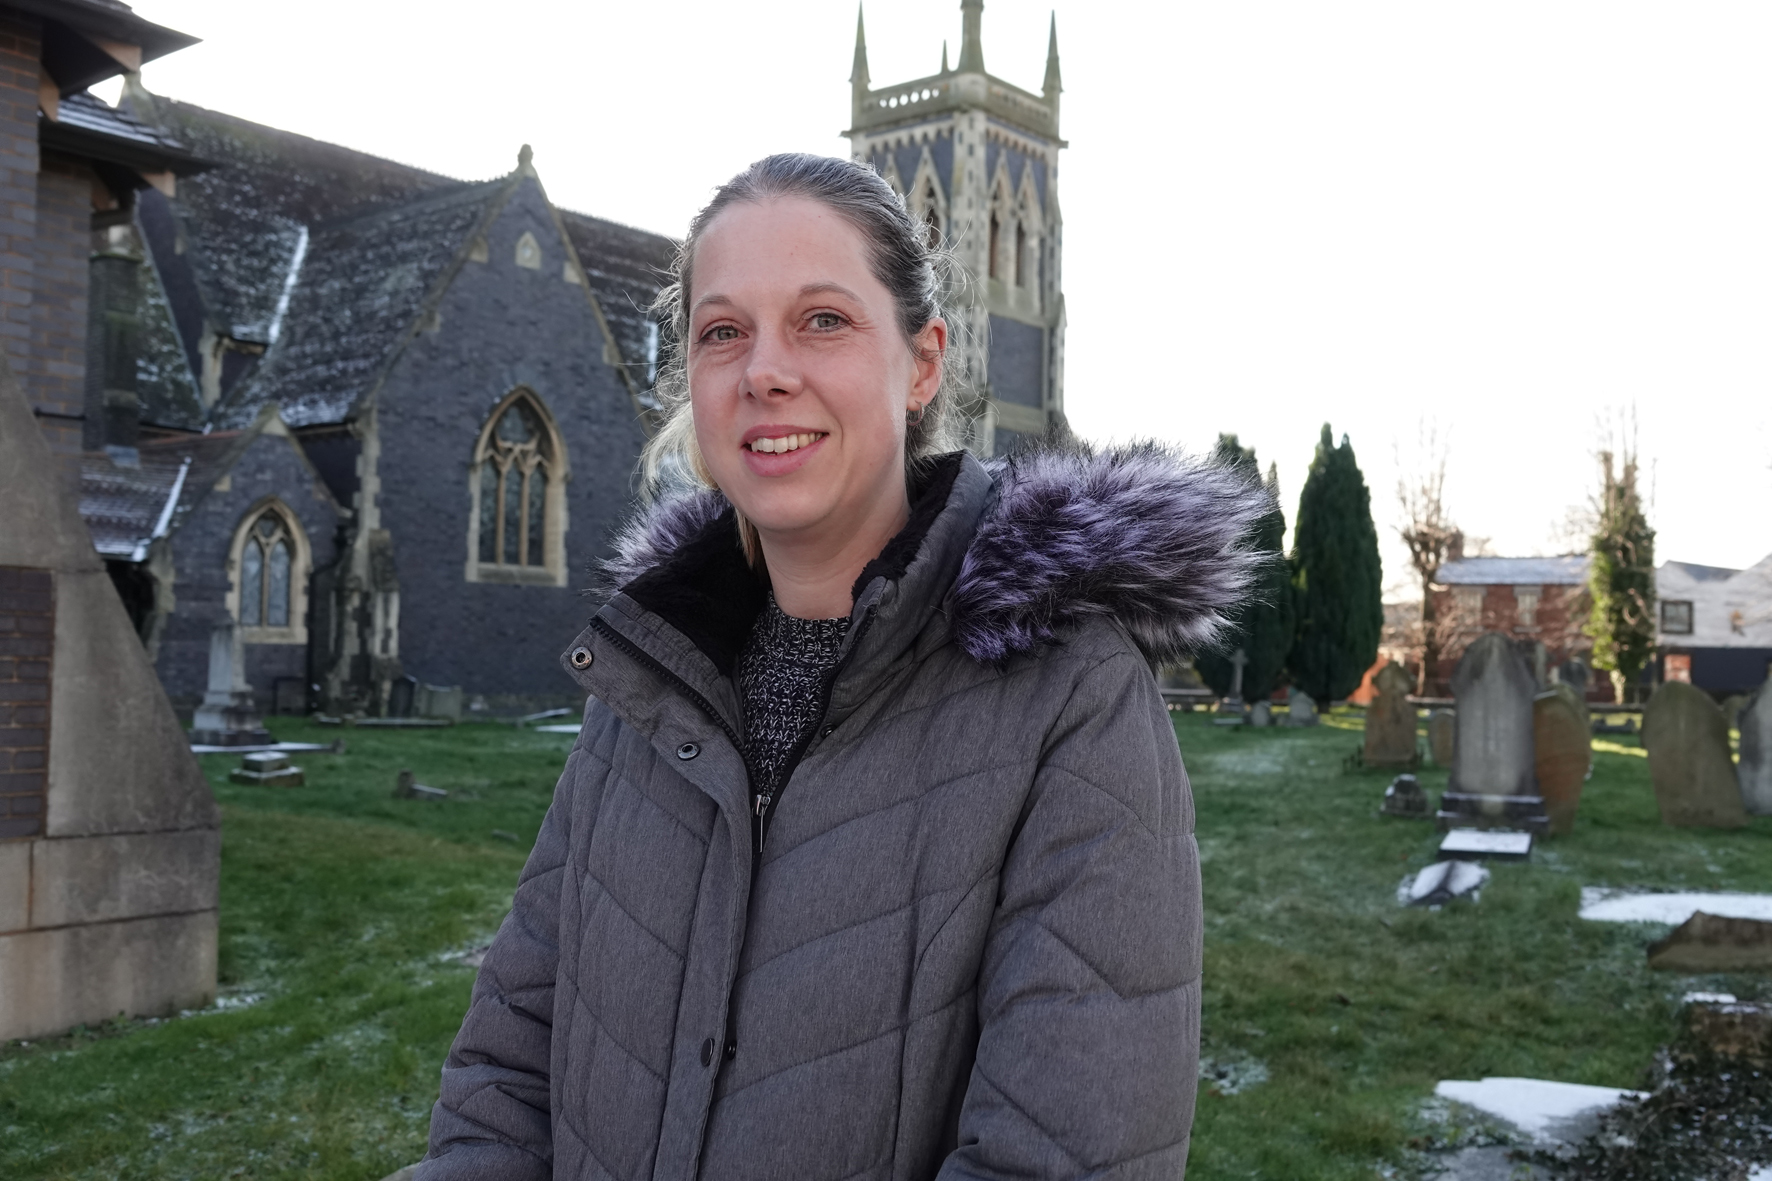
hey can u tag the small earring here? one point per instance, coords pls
(913, 417)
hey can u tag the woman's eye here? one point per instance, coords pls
(720, 333)
(826, 321)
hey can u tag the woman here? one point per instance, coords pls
(875, 855)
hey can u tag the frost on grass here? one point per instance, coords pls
(1231, 1074)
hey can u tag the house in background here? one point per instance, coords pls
(383, 420)
(1715, 625)
(1530, 599)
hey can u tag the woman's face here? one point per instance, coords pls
(799, 375)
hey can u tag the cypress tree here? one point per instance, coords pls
(1336, 576)
(1621, 578)
(1264, 623)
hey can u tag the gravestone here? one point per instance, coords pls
(438, 701)
(267, 768)
(1714, 943)
(227, 716)
(1442, 728)
(1233, 704)
(1301, 708)
(1404, 797)
(1493, 783)
(1689, 760)
(1390, 721)
(1261, 714)
(1562, 748)
(1755, 771)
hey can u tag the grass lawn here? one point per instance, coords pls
(340, 906)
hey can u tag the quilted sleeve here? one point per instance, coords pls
(492, 1120)
(1089, 989)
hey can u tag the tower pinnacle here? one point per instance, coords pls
(971, 44)
(1053, 83)
(944, 56)
(858, 77)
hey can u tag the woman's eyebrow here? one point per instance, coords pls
(829, 288)
(708, 300)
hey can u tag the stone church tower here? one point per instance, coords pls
(977, 160)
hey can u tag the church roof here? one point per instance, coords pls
(122, 503)
(360, 288)
(242, 220)
(627, 268)
(323, 256)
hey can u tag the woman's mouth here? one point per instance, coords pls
(776, 445)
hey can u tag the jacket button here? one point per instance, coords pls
(731, 1051)
(581, 657)
(707, 1052)
(688, 751)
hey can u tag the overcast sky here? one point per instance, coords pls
(1516, 221)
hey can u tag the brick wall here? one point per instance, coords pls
(27, 637)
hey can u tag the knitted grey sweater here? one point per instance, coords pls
(781, 676)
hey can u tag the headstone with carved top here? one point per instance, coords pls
(1755, 771)
(1390, 721)
(1562, 746)
(1689, 760)
(1494, 782)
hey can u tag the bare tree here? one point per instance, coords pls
(1431, 536)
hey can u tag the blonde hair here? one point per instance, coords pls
(916, 272)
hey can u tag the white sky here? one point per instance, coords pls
(1514, 219)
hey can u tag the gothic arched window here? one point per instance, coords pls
(996, 232)
(270, 567)
(517, 526)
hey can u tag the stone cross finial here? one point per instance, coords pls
(1238, 660)
(526, 160)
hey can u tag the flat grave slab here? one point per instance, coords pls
(1468, 844)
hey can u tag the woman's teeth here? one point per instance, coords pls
(786, 442)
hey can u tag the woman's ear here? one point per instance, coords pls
(929, 352)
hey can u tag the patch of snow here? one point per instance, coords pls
(1446, 880)
(1761, 1173)
(1708, 998)
(1541, 1109)
(574, 728)
(1621, 906)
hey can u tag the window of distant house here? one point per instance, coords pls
(269, 564)
(517, 526)
(1676, 617)
(1526, 605)
(1468, 602)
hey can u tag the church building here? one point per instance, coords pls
(382, 420)
(976, 159)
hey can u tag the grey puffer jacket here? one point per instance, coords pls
(965, 940)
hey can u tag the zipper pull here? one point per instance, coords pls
(762, 803)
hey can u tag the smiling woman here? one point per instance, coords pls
(875, 856)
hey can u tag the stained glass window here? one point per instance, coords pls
(252, 584)
(515, 465)
(267, 572)
(277, 589)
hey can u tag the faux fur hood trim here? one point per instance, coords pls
(1140, 534)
